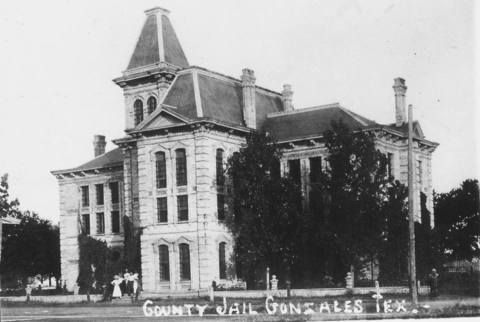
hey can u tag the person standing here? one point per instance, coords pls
(433, 282)
(135, 287)
(28, 291)
(126, 279)
(117, 293)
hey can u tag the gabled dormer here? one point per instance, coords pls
(152, 67)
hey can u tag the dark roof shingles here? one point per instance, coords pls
(109, 159)
(221, 100)
(308, 123)
(172, 49)
(182, 96)
(146, 50)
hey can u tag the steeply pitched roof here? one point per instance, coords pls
(197, 93)
(113, 158)
(309, 122)
(158, 42)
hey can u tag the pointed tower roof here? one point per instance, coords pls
(157, 43)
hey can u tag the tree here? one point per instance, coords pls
(393, 255)
(92, 264)
(457, 221)
(7, 207)
(356, 184)
(32, 247)
(266, 220)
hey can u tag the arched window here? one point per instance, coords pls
(161, 170)
(164, 263)
(222, 260)
(181, 167)
(138, 111)
(220, 174)
(151, 104)
(184, 252)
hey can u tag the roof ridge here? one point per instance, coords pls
(355, 116)
(303, 110)
(223, 77)
(83, 167)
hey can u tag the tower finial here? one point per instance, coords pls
(156, 10)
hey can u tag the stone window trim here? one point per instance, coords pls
(99, 194)
(152, 99)
(164, 272)
(222, 260)
(162, 215)
(221, 211)
(168, 168)
(222, 238)
(118, 199)
(100, 223)
(181, 167)
(138, 110)
(171, 258)
(181, 198)
(174, 252)
(185, 261)
(112, 222)
(220, 167)
(84, 191)
(160, 170)
(85, 224)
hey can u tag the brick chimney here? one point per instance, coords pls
(400, 89)
(287, 94)
(99, 145)
(248, 91)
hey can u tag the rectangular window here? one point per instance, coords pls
(161, 170)
(294, 170)
(85, 198)
(315, 169)
(184, 251)
(220, 174)
(100, 223)
(181, 167)
(114, 192)
(164, 262)
(222, 263)
(419, 172)
(182, 208)
(115, 222)
(390, 164)
(99, 194)
(162, 210)
(86, 224)
(221, 207)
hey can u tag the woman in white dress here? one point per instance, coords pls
(117, 293)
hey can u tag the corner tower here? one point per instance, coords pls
(152, 67)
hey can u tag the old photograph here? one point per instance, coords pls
(239, 160)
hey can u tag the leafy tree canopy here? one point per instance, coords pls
(266, 218)
(32, 247)
(357, 184)
(457, 220)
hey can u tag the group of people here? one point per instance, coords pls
(126, 284)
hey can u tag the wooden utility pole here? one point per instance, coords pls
(411, 214)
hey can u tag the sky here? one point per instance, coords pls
(58, 57)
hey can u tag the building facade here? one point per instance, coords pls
(167, 175)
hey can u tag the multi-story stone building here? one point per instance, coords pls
(182, 122)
